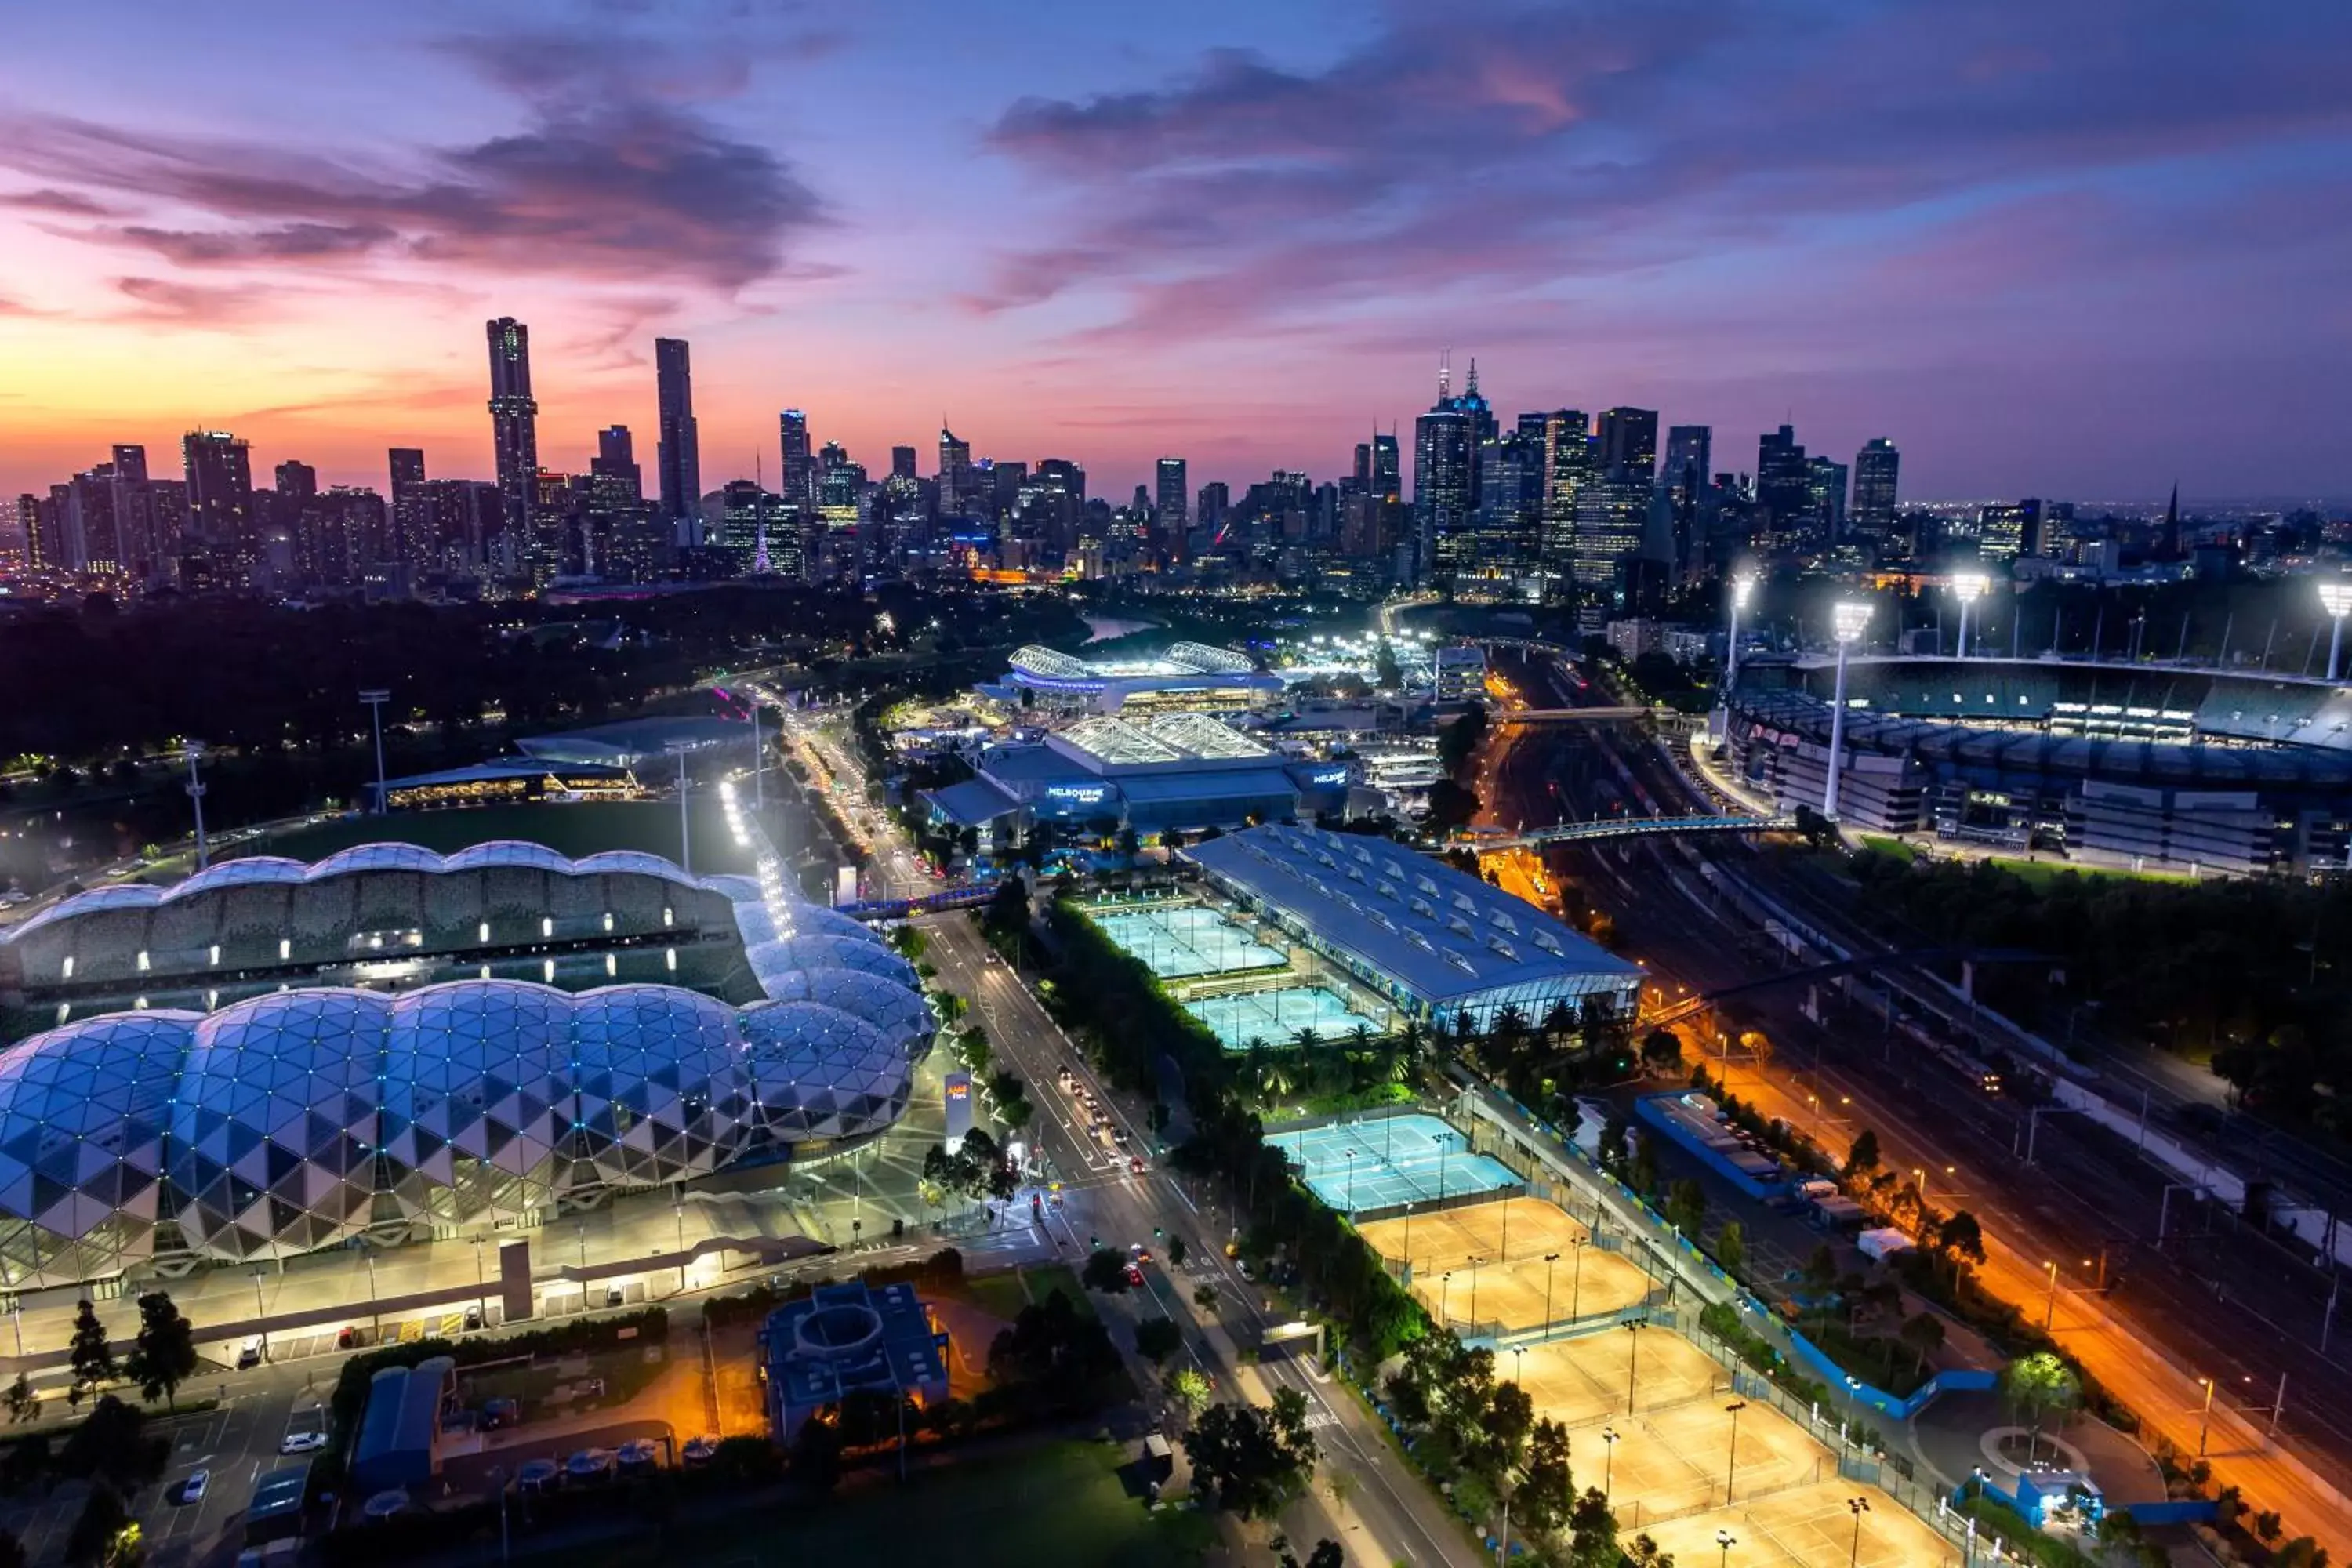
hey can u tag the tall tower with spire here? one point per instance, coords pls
(2172, 524)
(1445, 474)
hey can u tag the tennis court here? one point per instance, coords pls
(1386, 1161)
(1586, 1381)
(1276, 1014)
(1806, 1527)
(1510, 1239)
(1185, 940)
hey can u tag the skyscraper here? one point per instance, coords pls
(1445, 477)
(514, 435)
(135, 518)
(1567, 463)
(1612, 513)
(411, 508)
(796, 480)
(955, 474)
(1875, 470)
(1690, 457)
(2007, 531)
(220, 499)
(1783, 481)
(1173, 509)
(902, 462)
(677, 448)
(1629, 440)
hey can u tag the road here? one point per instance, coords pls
(2167, 1316)
(1389, 1515)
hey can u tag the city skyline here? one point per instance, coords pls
(1243, 238)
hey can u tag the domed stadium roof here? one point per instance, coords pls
(508, 852)
(819, 1072)
(274, 1127)
(473, 1072)
(82, 1116)
(377, 857)
(659, 1092)
(246, 871)
(639, 863)
(820, 951)
(812, 919)
(902, 1014)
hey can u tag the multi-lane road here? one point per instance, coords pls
(2150, 1322)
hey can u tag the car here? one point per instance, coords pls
(1118, 1135)
(474, 1316)
(191, 1491)
(346, 1337)
(612, 1295)
(1135, 1276)
(301, 1442)
(249, 1354)
(1134, 1163)
(1140, 1253)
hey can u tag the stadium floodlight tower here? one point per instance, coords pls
(1742, 586)
(1847, 622)
(2336, 598)
(375, 698)
(678, 749)
(1968, 587)
(192, 750)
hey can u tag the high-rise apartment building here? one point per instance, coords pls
(677, 445)
(1567, 464)
(20, 539)
(221, 510)
(902, 462)
(411, 508)
(796, 480)
(1173, 510)
(1613, 515)
(955, 474)
(1445, 443)
(1690, 458)
(514, 437)
(1825, 494)
(1876, 468)
(2009, 530)
(1629, 440)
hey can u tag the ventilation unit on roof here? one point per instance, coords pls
(1505, 948)
(1461, 902)
(1462, 964)
(1355, 874)
(1547, 941)
(1422, 907)
(1388, 889)
(1419, 941)
(1461, 927)
(1393, 869)
(1505, 920)
(1381, 920)
(1426, 886)
(1363, 854)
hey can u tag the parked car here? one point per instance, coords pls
(301, 1442)
(474, 1316)
(249, 1354)
(191, 1491)
(1135, 1276)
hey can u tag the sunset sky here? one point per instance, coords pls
(2072, 248)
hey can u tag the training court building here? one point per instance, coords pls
(1435, 944)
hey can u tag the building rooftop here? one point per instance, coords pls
(1443, 933)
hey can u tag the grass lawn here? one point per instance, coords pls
(1042, 1281)
(2036, 874)
(1059, 1504)
(999, 1295)
(574, 829)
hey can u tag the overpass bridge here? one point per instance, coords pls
(1612, 827)
(1562, 715)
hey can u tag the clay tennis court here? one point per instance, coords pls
(1806, 1527)
(1511, 1288)
(1583, 1380)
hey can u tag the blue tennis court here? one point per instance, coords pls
(1382, 1161)
(1185, 940)
(1276, 1014)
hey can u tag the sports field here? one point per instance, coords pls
(1601, 1377)
(1806, 1527)
(1383, 1161)
(1185, 940)
(1510, 1240)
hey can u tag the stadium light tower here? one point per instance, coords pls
(192, 749)
(1968, 587)
(375, 700)
(2336, 598)
(1741, 587)
(685, 835)
(1847, 621)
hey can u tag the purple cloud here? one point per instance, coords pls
(71, 203)
(163, 302)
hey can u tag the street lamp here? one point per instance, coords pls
(1474, 1293)
(1731, 1458)
(2336, 598)
(1607, 1463)
(1726, 1541)
(1968, 587)
(685, 834)
(1633, 1360)
(375, 698)
(1550, 1258)
(192, 749)
(2050, 1306)
(1847, 621)
(1859, 1506)
(2205, 1418)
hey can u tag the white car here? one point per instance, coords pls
(193, 1489)
(302, 1442)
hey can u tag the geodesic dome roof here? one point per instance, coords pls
(819, 1072)
(813, 921)
(514, 852)
(377, 857)
(474, 1073)
(822, 951)
(274, 1129)
(83, 1110)
(659, 1088)
(247, 871)
(636, 862)
(900, 1013)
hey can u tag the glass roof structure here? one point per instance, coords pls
(1118, 743)
(1198, 735)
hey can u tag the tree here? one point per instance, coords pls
(1157, 1339)
(1593, 1539)
(1924, 1332)
(1326, 1554)
(1188, 1389)
(1662, 1052)
(2037, 1387)
(1105, 1271)
(1176, 1250)
(164, 1352)
(1254, 1459)
(1547, 1490)
(1961, 1239)
(24, 1404)
(1687, 1207)
(1863, 1157)
(1205, 1297)
(1731, 1248)
(97, 1535)
(91, 1358)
